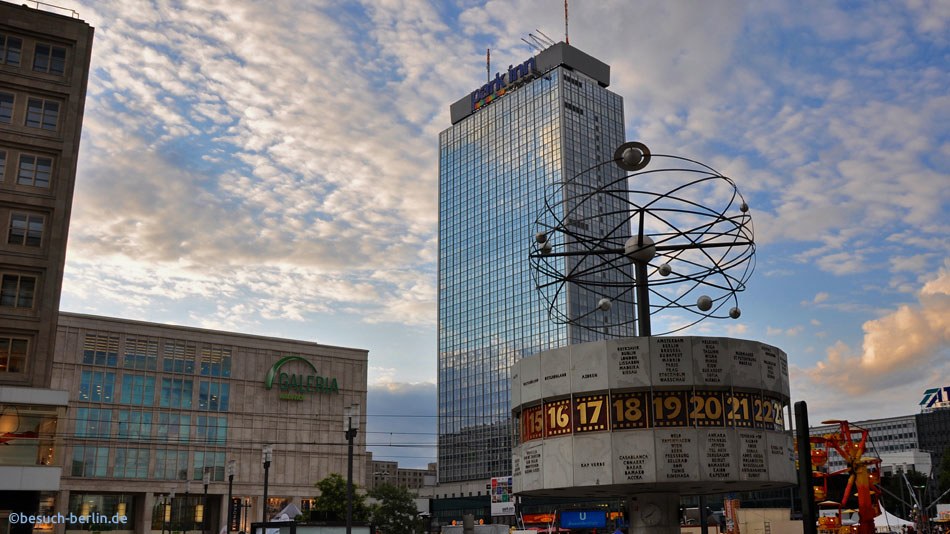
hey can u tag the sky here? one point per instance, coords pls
(272, 168)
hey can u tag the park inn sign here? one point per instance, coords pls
(295, 386)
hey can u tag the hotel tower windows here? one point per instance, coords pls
(508, 146)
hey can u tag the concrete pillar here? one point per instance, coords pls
(61, 507)
(143, 512)
(223, 505)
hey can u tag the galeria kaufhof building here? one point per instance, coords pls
(151, 407)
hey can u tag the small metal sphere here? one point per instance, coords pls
(639, 252)
(604, 304)
(735, 313)
(704, 303)
(546, 247)
(541, 237)
(664, 269)
(743, 207)
(632, 156)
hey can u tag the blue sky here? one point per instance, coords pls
(271, 168)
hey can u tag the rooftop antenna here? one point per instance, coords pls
(537, 41)
(548, 40)
(567, 39)
(488, 65)
(533, 46)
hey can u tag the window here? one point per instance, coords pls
(6, 108)
(97, 386)
(42, 113)
(179, 357)
(138, 390)
(131, 463)
(17, 290)
(101, 349)
(211, 429)
(141, 354)
(171, 465)
(3, 164)
(214, 460)
(173, 427)
(104, 505)
(134, 424)
(216, 361)
(10, 48)
(93, 423)
(25, 229)
(35, 171)
(49, 58)
(90, 461)
(213, 396)
(13, 354)
(176, 393)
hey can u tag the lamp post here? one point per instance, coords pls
(351, 422)
(206, 479)
(267, 452)
(231, 464)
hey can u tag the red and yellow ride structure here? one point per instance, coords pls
(863, 474)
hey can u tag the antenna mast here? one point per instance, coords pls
(488, 65)
(567, 39)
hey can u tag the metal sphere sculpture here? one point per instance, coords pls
(610, 250)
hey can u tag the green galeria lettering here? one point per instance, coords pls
(293, 385)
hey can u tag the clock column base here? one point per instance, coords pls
(654, 513)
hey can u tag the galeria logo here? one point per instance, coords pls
(293, 386)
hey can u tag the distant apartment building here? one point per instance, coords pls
(44, 68)
(380, 472)
(893, 439)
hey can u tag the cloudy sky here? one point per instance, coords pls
(271, 168)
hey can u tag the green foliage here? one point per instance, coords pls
(331, 504)
(898, 495)
(396, 512)
(943, 473)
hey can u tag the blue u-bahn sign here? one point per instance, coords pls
(583, 519)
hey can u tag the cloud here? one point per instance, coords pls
(251, 178)
(791, 332)
(907, 347)
(236, 180)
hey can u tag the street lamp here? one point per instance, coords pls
(267, 452)
(351, 422)
(231, 464)
(206, 479)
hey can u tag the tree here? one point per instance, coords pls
(943, 473)
(395, 512)
(330, 505)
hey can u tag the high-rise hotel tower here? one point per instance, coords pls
(512, 142)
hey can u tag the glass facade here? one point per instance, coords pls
(160, 407)
(496, 168)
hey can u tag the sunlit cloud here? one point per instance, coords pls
(908, 346)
